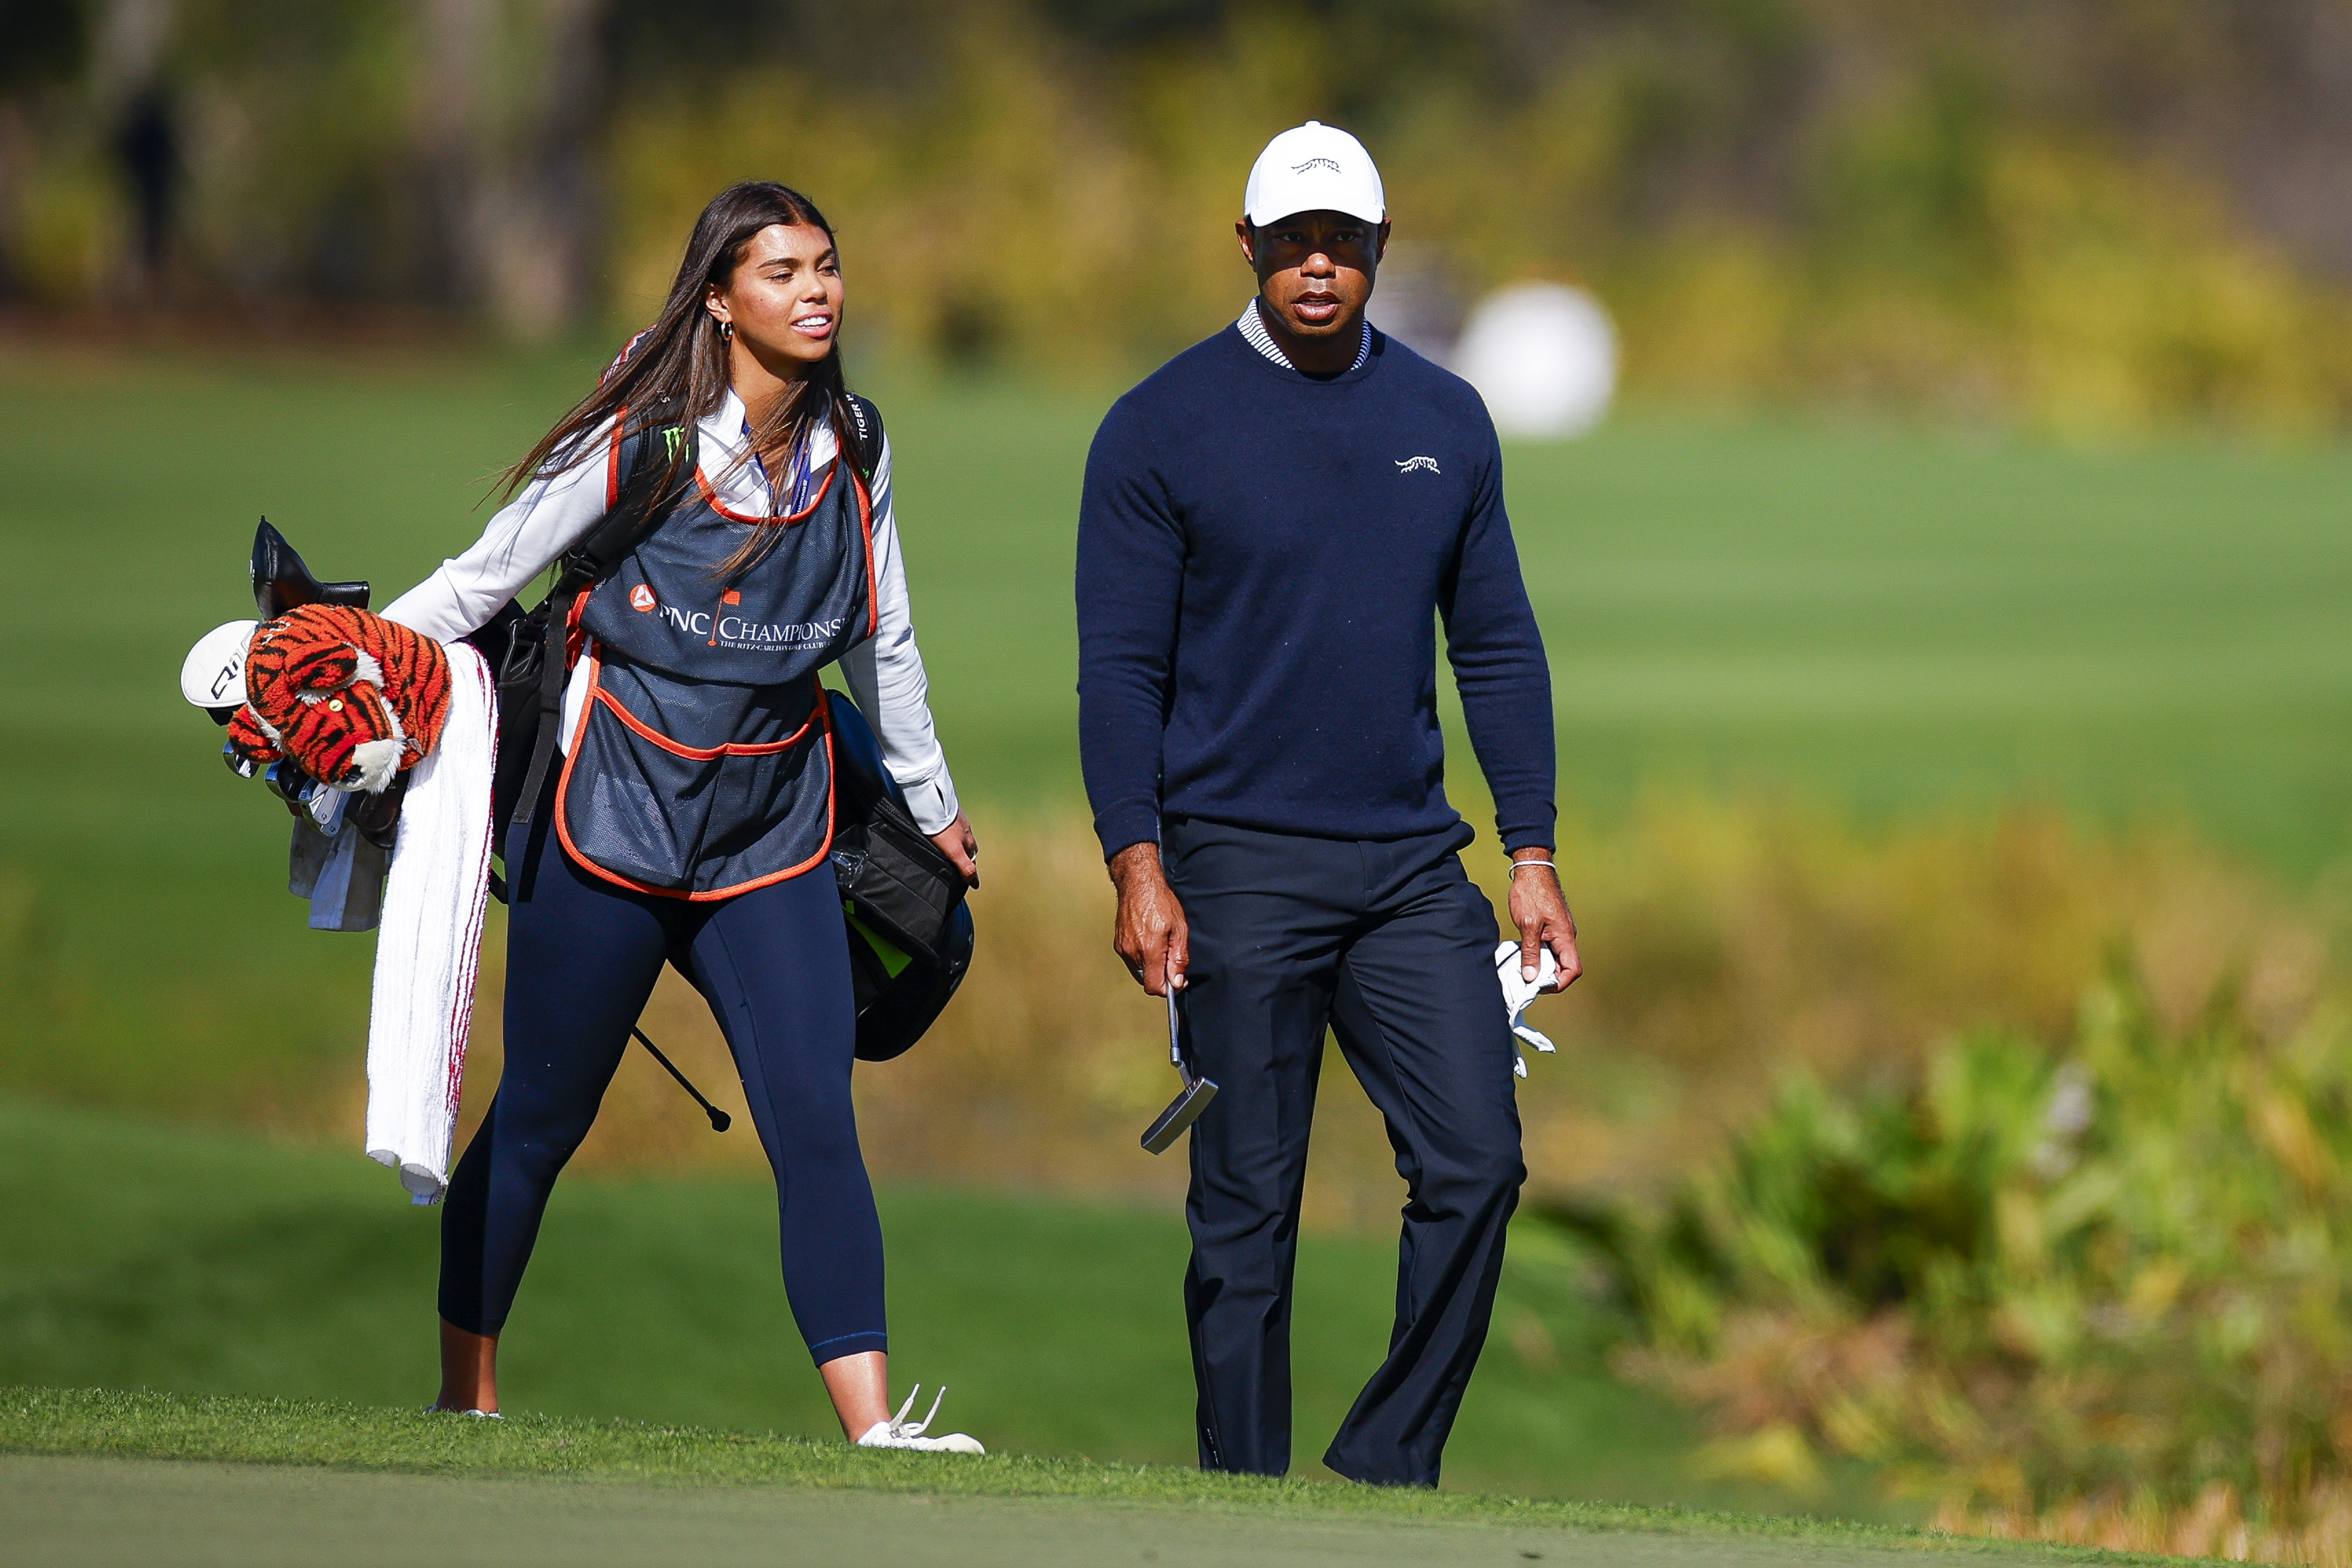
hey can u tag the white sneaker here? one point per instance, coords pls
(895, 1433)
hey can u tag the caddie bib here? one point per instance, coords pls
(700, 765)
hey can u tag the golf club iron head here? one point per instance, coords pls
(1186, 1109)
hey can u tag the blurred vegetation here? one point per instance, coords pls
(2095, 1291)
(1730, 943)
(2094, 216)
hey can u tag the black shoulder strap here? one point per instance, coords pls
(655, 446)
(654, 440)
(867, 455)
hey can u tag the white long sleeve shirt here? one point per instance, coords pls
(554, 510)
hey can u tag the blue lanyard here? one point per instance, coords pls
(797, 478)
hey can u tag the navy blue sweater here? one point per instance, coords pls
(1260, 554)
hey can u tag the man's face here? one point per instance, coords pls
(1315, 269)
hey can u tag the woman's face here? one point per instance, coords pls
(784, 299)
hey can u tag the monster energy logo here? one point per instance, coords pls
(673, 441)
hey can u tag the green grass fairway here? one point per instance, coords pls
(1907, 620)
(134, 1255)
(762, 1498)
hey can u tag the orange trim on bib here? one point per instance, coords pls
(596, 693)
(576, 637)
(711, 498)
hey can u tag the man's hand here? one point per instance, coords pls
(1153, 937)
(1540, 912)
(955, 842)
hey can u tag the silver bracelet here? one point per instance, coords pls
(1546, 864)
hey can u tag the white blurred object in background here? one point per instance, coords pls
(1543, 356)
(1418, 303)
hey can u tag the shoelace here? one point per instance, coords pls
(898, 1427)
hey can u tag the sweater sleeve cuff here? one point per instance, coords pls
(1125, 827)
(1527, 829)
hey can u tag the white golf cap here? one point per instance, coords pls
(213, 673)
(1314, 167)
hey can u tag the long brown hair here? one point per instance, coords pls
(681, 359)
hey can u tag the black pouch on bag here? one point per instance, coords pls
(910, 932)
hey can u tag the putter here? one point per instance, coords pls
(1188, 1105)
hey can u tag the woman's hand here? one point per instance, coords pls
(955, 842)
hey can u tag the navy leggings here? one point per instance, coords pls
(581, 958)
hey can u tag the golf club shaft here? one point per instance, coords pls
(718, 1119)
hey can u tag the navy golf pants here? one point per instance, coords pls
(581, 958)
(1389, 945)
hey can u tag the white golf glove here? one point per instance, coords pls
(1518, 990)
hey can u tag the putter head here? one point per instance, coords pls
(1184, 1110)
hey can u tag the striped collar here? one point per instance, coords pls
(1254, 331)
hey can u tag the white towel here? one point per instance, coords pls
(430, 944)
(1518, 992)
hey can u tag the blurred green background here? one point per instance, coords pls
(2091, 214)
(1948, 623)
